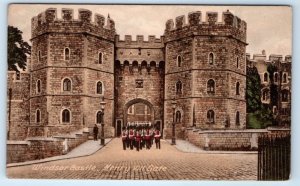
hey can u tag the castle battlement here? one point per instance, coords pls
(230, 26)
(48, 21)
(140, 42)
(270, 58)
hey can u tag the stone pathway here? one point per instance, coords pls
(85, 149)
(168, 163)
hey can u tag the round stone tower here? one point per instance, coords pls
(71, 72)
(205, 72)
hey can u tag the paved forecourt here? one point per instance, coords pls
(112, 162)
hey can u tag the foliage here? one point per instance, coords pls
(17, 49)
(253, 90)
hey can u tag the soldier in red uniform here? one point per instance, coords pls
(131, 137)
(148, 138)
(124, 137)
(138, 138)
(157, 138)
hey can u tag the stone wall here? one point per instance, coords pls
(18, 106)
(40, 148)
(225, 139)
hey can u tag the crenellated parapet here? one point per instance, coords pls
(231, 26)
(47, 22)
(139, 42)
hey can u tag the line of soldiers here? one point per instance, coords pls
(140, 136)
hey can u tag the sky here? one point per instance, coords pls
(269, 28)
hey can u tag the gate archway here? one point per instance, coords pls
(132, 113)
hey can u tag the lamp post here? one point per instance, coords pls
(102, 105)
(173, 124)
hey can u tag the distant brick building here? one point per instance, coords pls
(281, 78)
(201, 64)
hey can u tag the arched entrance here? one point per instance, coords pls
(138, 111)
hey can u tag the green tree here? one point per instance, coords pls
(17, 49)
(253, 90)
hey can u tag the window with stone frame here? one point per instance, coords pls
(66, 116)
(67, 54)
(99, 117)
(38, 86)
(99, 87)
(237, 88)
(211, 58)
(266, 77)
(100, 58)
(178, 87)
(67, 85)
(38, 116)
(179, 61)
(284, 78)
(285, 95)
(237, 118)
(211, 86)
(211, 116)
(265, 94)
(178, 116)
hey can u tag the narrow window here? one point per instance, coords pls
(100, 58)
(237, 90)
(237, 62)
(67, 85)
(179, 61)
(265, 77)
(211, 59)
(99, 87)
(39, 56)
(237, 118)
(211, 86)
(38, 86)
(66, 116)
(284, 79)
(38, 116)
(211, 116)
(178, 116)
(178, 87)
(99, 117)
(275, 77)
(67, 54)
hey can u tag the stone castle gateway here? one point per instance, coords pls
(75, 63)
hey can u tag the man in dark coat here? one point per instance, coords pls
(95, 131)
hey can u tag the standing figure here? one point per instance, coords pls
(131, 137)
(148, 138)
(138, 138)
(157, 138)
(124, 137)
(95, 132)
